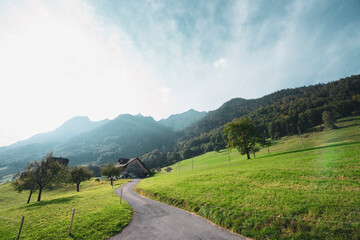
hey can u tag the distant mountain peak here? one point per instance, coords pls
(67, 130)
(180, 121)
(77, 119)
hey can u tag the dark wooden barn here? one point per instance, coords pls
(133, 168)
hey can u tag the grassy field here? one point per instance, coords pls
(292, 194)
(98, 213)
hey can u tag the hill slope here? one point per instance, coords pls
(278, 114)
(281, 112)
(290, 194)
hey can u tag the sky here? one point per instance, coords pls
(67, 58)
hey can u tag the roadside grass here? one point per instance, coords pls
(98, 213)
(291, 194)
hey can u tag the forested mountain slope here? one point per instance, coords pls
(278, 114)
(125, 136)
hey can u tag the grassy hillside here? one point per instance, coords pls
(98, 213)
(291, 194)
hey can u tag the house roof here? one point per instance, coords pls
(132, 160)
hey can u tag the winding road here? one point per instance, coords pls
(155, 220)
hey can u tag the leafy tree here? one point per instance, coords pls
(25, 181)
(78, 175)
(95, 169)
(110, 171)
(217, 148)
(185, 153)
(168, 169)
(46, 171)
(328, 119)
(242, 134)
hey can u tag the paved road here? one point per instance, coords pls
(155, 220)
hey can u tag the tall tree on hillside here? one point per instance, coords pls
(328, 119)
(25, 181)
(78, 175)
(46, 171)
(242, 134)
(110, 171)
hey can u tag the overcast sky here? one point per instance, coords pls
(60, 59)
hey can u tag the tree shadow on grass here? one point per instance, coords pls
(52, 201)
(354, 118)
(312, 148)
(350, 125)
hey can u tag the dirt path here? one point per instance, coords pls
(155, 220)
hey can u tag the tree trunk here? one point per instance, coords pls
(111, 181)
(29, 196)
(248, 155)
(77, 187)
(39, 196)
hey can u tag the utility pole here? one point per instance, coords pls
(302, 142)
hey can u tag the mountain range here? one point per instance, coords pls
(185, 135)
(84, 141)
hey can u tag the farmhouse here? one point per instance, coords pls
(133, 168)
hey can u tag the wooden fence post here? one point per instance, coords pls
(121, 195)
(21, 225)
(72, 219)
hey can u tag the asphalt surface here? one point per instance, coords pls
(155, 220)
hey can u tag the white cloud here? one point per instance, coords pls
(220, 63)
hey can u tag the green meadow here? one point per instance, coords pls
(98, 212)
(293, 193)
